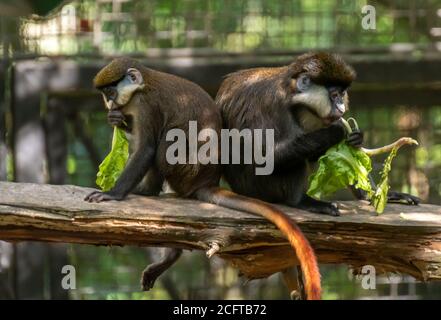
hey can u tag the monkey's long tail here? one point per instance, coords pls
(302, 248)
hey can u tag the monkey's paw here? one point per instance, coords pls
(331, 209)
(400, 197)
(99, 196)
(355, 138)
(115, 118)
(149, 276)
(318, 206)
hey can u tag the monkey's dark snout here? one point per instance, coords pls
(333, 117)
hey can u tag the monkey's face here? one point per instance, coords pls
(118, 94)
(327, 102)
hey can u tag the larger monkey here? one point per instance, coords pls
(148, 103)
(303, 103)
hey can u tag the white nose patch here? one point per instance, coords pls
(109, 104)
(341, 107)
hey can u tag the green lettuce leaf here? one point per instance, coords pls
(340, 167)
(343, 166)
(112, 166)
(379, 198)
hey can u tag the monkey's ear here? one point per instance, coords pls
(135, 76)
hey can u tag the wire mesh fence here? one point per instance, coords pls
(137, 26)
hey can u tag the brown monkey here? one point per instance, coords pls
(303, 102)
(151, 103)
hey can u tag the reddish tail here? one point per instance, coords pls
(302, 248)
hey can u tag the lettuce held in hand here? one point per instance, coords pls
(343, 166)
(340, 167)
(112, 166)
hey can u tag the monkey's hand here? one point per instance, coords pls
(116, 118)
(154, 270)
(99, 196)
(313, 205)
(148, 278)
(400, 197)
(355, 138)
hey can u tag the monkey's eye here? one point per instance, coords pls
(303, 82)
(334, 94)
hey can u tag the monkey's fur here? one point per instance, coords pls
(306, 122)
(151, 103)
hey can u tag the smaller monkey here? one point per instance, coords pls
(147, 104)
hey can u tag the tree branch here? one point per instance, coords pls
(403, 239)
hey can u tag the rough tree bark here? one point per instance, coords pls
(404, 239)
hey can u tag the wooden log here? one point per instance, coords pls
(405, 239)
